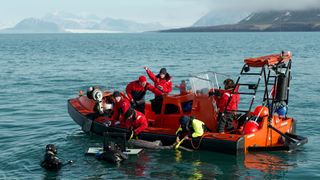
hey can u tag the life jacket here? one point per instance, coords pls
(196, 128)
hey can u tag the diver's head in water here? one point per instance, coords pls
(51, 161)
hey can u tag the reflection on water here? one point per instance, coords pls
(196, 173)
(137, 165)
(271, 165)
(178, 156)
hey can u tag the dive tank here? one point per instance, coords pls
(282, 87)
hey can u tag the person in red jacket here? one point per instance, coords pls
(120, 106)
(136, 121)
(162, 81)
(226, 110)
(182, 87)
(136, 90)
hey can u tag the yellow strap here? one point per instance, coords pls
(179, 129)
(178, 144)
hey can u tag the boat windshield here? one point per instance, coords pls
(202, 82)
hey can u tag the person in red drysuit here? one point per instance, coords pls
(227, 111)
(136, 121)
(136, 91)
(162, 81)
(120, 106)
(182, 87)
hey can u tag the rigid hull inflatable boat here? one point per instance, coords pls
(265, 126)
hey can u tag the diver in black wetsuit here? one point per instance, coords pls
(50, 161)
(112, 153)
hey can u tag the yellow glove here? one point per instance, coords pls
(132, 134)
(178, 144)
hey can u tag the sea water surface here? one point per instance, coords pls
(40, 72)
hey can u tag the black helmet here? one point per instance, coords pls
(129, 112)
(116, 94)
(184, 121)
(163, 71)
(52, 148)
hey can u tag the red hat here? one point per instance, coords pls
(142, 79)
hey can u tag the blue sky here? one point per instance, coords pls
(175, 13)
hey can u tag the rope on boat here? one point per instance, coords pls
(197, 147)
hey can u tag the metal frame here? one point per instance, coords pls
(267, 73)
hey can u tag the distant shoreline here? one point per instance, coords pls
(289, 27)
(158, 32)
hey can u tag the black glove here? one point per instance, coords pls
(217, 93)
(133, 104)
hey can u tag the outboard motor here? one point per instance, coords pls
(97, 95)
(99, 108)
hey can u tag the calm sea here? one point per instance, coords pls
(39, 72)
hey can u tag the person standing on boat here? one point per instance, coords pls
(136, 90)
(190, 127)
(120, 106)
(182, 87)
(227, 110)
(135, 121)
(163, 83)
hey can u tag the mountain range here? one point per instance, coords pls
(62, 22)
(33, 25)
(284, 20)
(213, 18)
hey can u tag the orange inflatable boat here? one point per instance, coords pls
(260, 125)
